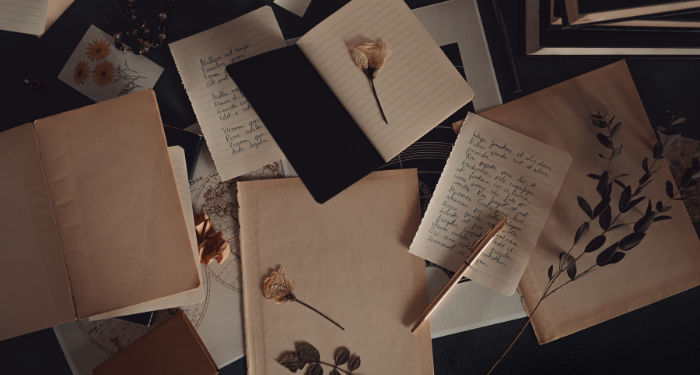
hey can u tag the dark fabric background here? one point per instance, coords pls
(658, 339)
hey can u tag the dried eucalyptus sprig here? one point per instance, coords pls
(279, 289)
(370, 57)
(308, 354)
(603, 211)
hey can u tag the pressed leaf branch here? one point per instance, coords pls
(308, 354)
(603, 211)
(370, 57)
(278, 289)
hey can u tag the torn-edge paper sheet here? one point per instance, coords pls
(100, 71)
(23, 16)
(492, 172)
(297, 7)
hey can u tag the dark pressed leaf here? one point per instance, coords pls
(585, 206)
(665, 209)
(634, 203)
(616, 257)
(605, 202)
(354, 363)
(678, 121)
(604, 179)
(585, 273)
(620, 176)
(644, 223)
(648, 207)
(594, 176)
(691, 184)
(625, 197)
(599, 124)
(334, 372)
(658, 150)
(655, 170)
(606, 254)
(687, 175)
(307, 353)
(561, 260)
(598, 116)
(662, 130)
(292, 362)
(605, 217)
(601, 155)
(616, 152)
(616, 129)
(659, 206)
(341, 356)
(645, 165)
(595, 244)
(314, 369)
(644, 178)
(662, 217)
(550, 271)
(631, 240)
(642, 187)
(571, 271)
(620, 184)
(617, 226)
(581, 232)
(658, 137)
(604, 140)
(696, 164)
(611, 120)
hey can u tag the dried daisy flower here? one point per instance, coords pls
(279, 289)
(370, 57)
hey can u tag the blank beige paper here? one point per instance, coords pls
(349, 259)
(492, 172)
(418, 86)
(24, 16)
(237, 138)
(668, 259)
(190, 297)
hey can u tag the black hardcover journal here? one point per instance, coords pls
(190, 142)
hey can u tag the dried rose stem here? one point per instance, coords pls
(319, 313)
(378, 103)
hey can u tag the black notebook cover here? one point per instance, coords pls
(316, 134)
(557, 37)
(190, 142)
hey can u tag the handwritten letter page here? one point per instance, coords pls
(418, 87)
(237, 139)
(492, 172)
(24, 16)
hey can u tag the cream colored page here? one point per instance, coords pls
(23, 16)
(418, 87)
(190, 297)
(492, 172)
(237, 138)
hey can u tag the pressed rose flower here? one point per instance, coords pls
(370, 57)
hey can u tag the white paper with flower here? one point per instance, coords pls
(101, 72)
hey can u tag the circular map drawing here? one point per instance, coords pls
(113, 335)
(217, 199)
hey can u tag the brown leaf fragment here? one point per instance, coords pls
(314, 370)
(341, 356)
(308, 353)
(292, 362)
(354, 363)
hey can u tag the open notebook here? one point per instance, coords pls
(319, 107)
(91, 217)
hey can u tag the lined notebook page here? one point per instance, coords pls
(492, 172)
(238, 140)
(418, 87)
(190, 297)
(23, 16)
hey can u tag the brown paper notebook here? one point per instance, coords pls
(174, 348)
(90, 217)
(349, 259)
(668, 259)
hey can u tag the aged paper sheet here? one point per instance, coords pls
(237, 138)
(492, 172)
(665, 263)
(24, 16)
(417, 86)
(348, 258)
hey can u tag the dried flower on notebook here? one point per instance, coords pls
(307, 354)
(629, 197)
(370, 57)
(212, 244)
(279, 289)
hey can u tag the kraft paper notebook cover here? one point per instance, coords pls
(319, 106)
(349, 259)
(174, 348)
(665, 263)
(91, 217)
